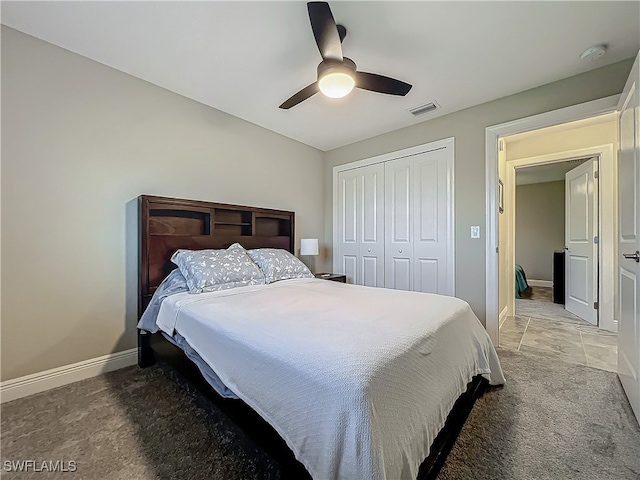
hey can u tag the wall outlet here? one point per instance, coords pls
(475, 231)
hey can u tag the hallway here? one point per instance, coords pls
(543, 327)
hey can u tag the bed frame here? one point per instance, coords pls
(167, 224)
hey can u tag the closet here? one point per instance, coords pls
(393, 220)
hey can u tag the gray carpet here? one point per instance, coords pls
(552, 420)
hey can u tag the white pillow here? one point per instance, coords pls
(278, 264)
(211, 270)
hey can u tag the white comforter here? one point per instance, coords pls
(357, 380)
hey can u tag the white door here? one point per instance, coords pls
(398, 193)
(581, 249)
(371, 224)
(418, 235)
(348, 241)
(629, 239)
(430, 232)
(393, 219)
(361, 220)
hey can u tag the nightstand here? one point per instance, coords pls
(334, 277)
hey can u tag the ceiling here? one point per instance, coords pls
(246, 58)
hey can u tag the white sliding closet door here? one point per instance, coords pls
(349, 243)
(430, 231)
(371, 270)
(393, 219)
(361, 220)
(399, 222)
(417, 228)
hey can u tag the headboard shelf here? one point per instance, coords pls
(168, 224)
(172, 234)
(274, 215)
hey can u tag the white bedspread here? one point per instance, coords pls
(357, 380)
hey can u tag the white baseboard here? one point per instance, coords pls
(540, 283)
(56, 377)
(503, 315)
(614, 327)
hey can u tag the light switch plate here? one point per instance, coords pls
(475, 231)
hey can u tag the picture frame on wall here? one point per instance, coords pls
(500, 196)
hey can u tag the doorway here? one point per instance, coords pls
(591, 286)
(556, 225)
(556, 217)
(493, 136)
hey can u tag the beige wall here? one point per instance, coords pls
(80, 142)
(468, 127)
(572, 139)
(539, 227)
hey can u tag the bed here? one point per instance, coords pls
(335, 380)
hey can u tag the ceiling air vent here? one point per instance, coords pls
(422, 109)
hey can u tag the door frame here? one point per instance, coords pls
(492, 136)
(606, 220)
(446, 143)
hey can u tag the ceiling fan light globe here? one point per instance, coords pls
(336, 84)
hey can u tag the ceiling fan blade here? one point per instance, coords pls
(325, 30)
(301, 96)
(381, 84)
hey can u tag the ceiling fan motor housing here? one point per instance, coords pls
(336, 78)
(326, 67)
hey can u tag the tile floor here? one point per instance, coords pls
(569, 341)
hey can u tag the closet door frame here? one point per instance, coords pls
(447, 143)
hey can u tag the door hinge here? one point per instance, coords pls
(501, 145)
(596, 240)
(596, 174)
(596, 305)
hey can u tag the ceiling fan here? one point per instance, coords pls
(337, 75)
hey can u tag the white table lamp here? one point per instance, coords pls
(309, 246)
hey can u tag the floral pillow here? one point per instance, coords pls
(278, 264)
(211, 270)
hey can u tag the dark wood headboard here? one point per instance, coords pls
(168, 224)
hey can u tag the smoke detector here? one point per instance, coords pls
(593, 53)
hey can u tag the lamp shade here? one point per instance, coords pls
(309, 246)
